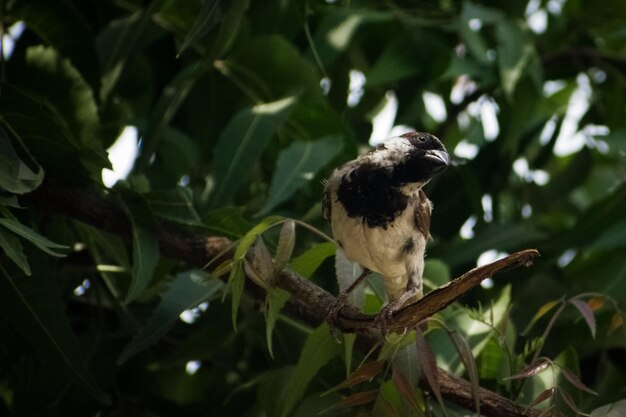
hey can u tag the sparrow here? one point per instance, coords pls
(380, 215)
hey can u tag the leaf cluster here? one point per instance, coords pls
(240, 109)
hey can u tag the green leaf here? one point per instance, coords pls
(587, 314)
(405, 388)
(33, 307)
(260, 61)
(465, 353)
(318, 350)
(297, 165)
(286, 243)
(241, 143)
(347, 273)
(189, 289)
(274, 301)
(227, 221)
(312, 258)
(248, 240)
(236, 281)
(16, 176)
(119, 41)
(44, 133)
(492, 364)
(515, 50)
(145, 259)
(13, 249)
(405, 360)
(145, 244)
(230, 26)
(209, 15)
(428, 365)
(47, 75)
(348, 350)
(543, 310)
(436, 272)
(175, 205)
(166, 108)
(616, 409)
(236, 278)
(33, 237)
(493, 236)
(63, 27)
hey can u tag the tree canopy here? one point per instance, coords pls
(196, 284)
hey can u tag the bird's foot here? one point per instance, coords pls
(332, 314)
(385, 315)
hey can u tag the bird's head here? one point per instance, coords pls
(416, 157)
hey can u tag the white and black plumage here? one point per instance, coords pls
(379, 214)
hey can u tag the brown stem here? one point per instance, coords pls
(309, 302)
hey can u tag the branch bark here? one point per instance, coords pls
(310, 302)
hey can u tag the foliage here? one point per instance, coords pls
(242, 108)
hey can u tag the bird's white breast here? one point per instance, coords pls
(381, 249)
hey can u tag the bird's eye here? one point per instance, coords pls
(422, 139)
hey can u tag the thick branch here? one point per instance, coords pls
(310, 302)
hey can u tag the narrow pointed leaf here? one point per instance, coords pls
(543, 310)
(241, 143)
(465, 353)
(318, 350)
(365, 372)
(173, 97)
(275, 301)
(236, 282)
(308, 262)
(406, 390)
(596, 303)
(348, 272)
(428, 364)
(297, 165)
(35, 238)
(616, 409)
(262, 260)
(359, 398)
(229, 27)
(531, 370)
(13, 249)
(569, 401)
(236, 279)
(249, 238)
(543, 396)
(576, 382)
(33, 307)
(175, 205)
(187, 291)
(617, 321)
(348, 349)
(145, 259)
(209, 15)
(587, 314)
(406, 361)
(286, 243)
(16, 176)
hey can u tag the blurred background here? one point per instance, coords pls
(215, 114)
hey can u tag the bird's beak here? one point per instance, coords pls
(438, 159)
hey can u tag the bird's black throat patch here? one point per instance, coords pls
(369, 192)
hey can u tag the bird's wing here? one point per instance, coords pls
(326, 203)
(422, 213)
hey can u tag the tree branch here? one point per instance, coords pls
(310, 302)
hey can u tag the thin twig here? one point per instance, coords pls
(308, 301)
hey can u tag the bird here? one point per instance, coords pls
(380, 215)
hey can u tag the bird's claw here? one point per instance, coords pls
(385, 316)
(332, 314)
